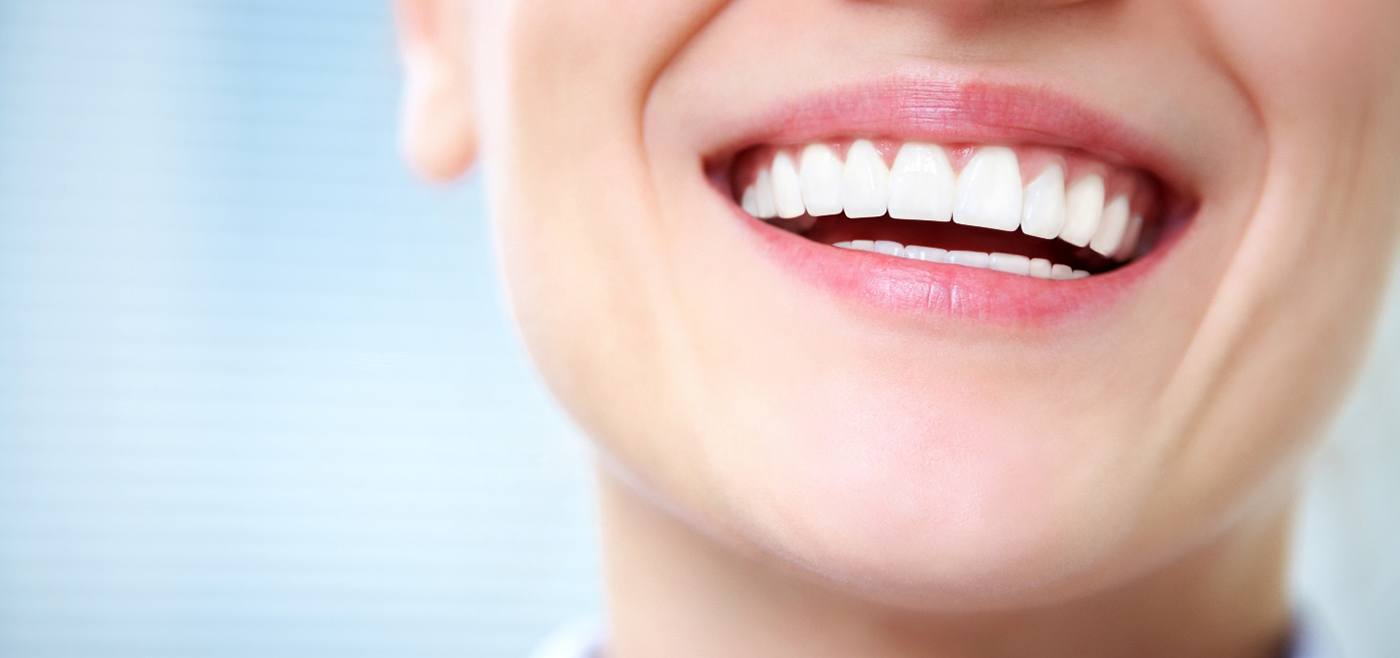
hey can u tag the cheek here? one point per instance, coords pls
(1302, 55)
(1324, 81)
(1289, 321)
(577, 220)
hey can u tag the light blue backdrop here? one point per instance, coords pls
(258, 394)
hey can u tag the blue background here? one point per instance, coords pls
(259, 395)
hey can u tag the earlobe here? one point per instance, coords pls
(438, 129)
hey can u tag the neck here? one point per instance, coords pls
(673, 592)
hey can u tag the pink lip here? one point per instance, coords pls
(951, 113)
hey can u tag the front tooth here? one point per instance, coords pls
(750, 201)
(1043, 214)
(889, 248)
(930, 254)
(1112, 227)
(1040, 268)
(787, 188)
(1129, 245)
(763, 190)
(922, 184)
(821, 180)
(1010, 263)
(1083, 208)
(1061, 272)
(865, 181)
(970, 258)
(989, 190)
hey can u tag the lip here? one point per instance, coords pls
(952, 112)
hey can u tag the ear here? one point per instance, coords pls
(438, 128)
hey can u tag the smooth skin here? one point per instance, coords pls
(783, 475)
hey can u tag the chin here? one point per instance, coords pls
(923, 495)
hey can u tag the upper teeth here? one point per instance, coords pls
(922, 185)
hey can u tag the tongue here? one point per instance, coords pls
(950, 236)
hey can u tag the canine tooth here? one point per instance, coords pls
(750, 201)
(865, 181)
(821, 180)
(863, 245)
(970, 258)
(1043, 210)
(930, 254)
(1111, 227)
(1079, 274)
(922, 184)
(1010, 263)
(844, 244)
(1061, 272)
(889, 248)
(1083, 208)
(787, 188)
(1129, 245)
(989, 190)
(1040, 268)
(763, 190)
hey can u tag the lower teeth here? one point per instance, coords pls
(1010, 263)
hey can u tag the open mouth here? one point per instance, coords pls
(930, 198)
(1045, 212)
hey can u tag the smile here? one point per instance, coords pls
(1011, 209)
(991, 227)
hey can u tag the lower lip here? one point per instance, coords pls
(929, 291)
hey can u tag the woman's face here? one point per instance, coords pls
(921, 430)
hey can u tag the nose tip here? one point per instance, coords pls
(1002, 5)
(982, 8)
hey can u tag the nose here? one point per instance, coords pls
(979, 6)
(972, 10)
